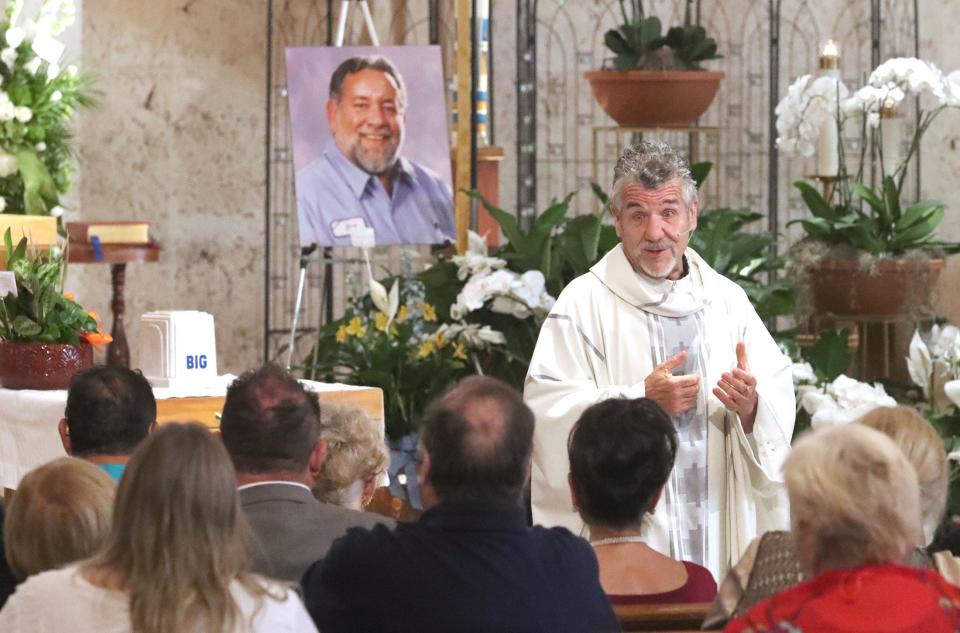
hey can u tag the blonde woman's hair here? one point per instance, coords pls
(856, 493)
(59, 514)
(355, 452)
(924, 448)
(179, 538)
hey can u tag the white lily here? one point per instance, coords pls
(919, 364)
(952, 389)
(385, 302)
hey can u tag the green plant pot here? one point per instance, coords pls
(41, 366)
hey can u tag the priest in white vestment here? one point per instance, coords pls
(653, 319)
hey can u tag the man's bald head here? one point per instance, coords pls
(479, 437)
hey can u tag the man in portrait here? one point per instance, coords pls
(361, 180)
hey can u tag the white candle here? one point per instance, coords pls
(828, 140)
(828, 152)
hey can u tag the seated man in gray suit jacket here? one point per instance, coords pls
(271, 428)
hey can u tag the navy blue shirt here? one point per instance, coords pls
(462, 567)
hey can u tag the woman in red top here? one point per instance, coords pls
(621, 453)
(855, 515)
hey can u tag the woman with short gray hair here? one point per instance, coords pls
(855, 516)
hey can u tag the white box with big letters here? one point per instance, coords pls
(178, 348)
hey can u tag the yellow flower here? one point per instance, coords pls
(356, 328)
(402, 314)
(429, 312)
(342, 334)
(381, 321)
(426, 348)
(440, 340)
(459, 351)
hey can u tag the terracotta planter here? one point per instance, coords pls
(41, 365)
(649, 98)
(893, 287)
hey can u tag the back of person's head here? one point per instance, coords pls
(109, 411)
(924, 447)
(270, 422)
(179, 538)
(356, 453)
(478, 438)
(854, 498)
(60, 513)
(621, 454)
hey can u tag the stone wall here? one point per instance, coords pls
(178, 140)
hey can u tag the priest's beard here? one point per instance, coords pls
(662, 269)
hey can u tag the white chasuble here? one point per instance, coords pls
(607, 332)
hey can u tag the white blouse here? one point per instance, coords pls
(63, 600)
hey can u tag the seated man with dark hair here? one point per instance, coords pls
(110, 410)
(271, 429)
(470, 563)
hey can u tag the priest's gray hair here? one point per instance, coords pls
(652, 164)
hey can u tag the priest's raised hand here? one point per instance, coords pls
(737, 390)
(675, 394)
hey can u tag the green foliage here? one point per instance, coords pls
(830, 355)
(744, 257)
(40, 313)
(639, 43)
(561, 248)
(877, 225)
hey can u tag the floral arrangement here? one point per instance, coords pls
(873, 220)
(40, 312)
(839, 402)
(37, 100)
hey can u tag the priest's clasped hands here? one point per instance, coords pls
(737, 389)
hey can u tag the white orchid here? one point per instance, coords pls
(895, 79)
(952, 389)
(803, 373)
(7, 108)
(807, 105)
(843, 401)
(57, 211)
(14, 36)
(8, 164)
(8, 56)
(22, 114)
(937, 364)
(514, 294)
(48, 48)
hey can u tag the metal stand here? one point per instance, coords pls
(306, 251)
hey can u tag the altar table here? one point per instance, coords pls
(28, 419)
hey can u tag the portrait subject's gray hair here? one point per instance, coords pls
(652, 164)
(373, 62)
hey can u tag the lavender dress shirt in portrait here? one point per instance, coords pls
(334, 196)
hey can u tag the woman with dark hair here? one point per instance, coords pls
(176, 557)
(621, 454)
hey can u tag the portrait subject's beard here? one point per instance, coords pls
(375, 151)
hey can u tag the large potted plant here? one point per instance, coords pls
(656, 79)
(868, 251)
(45, 336)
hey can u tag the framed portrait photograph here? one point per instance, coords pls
(371, 145)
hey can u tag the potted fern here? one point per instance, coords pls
(656, 79)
